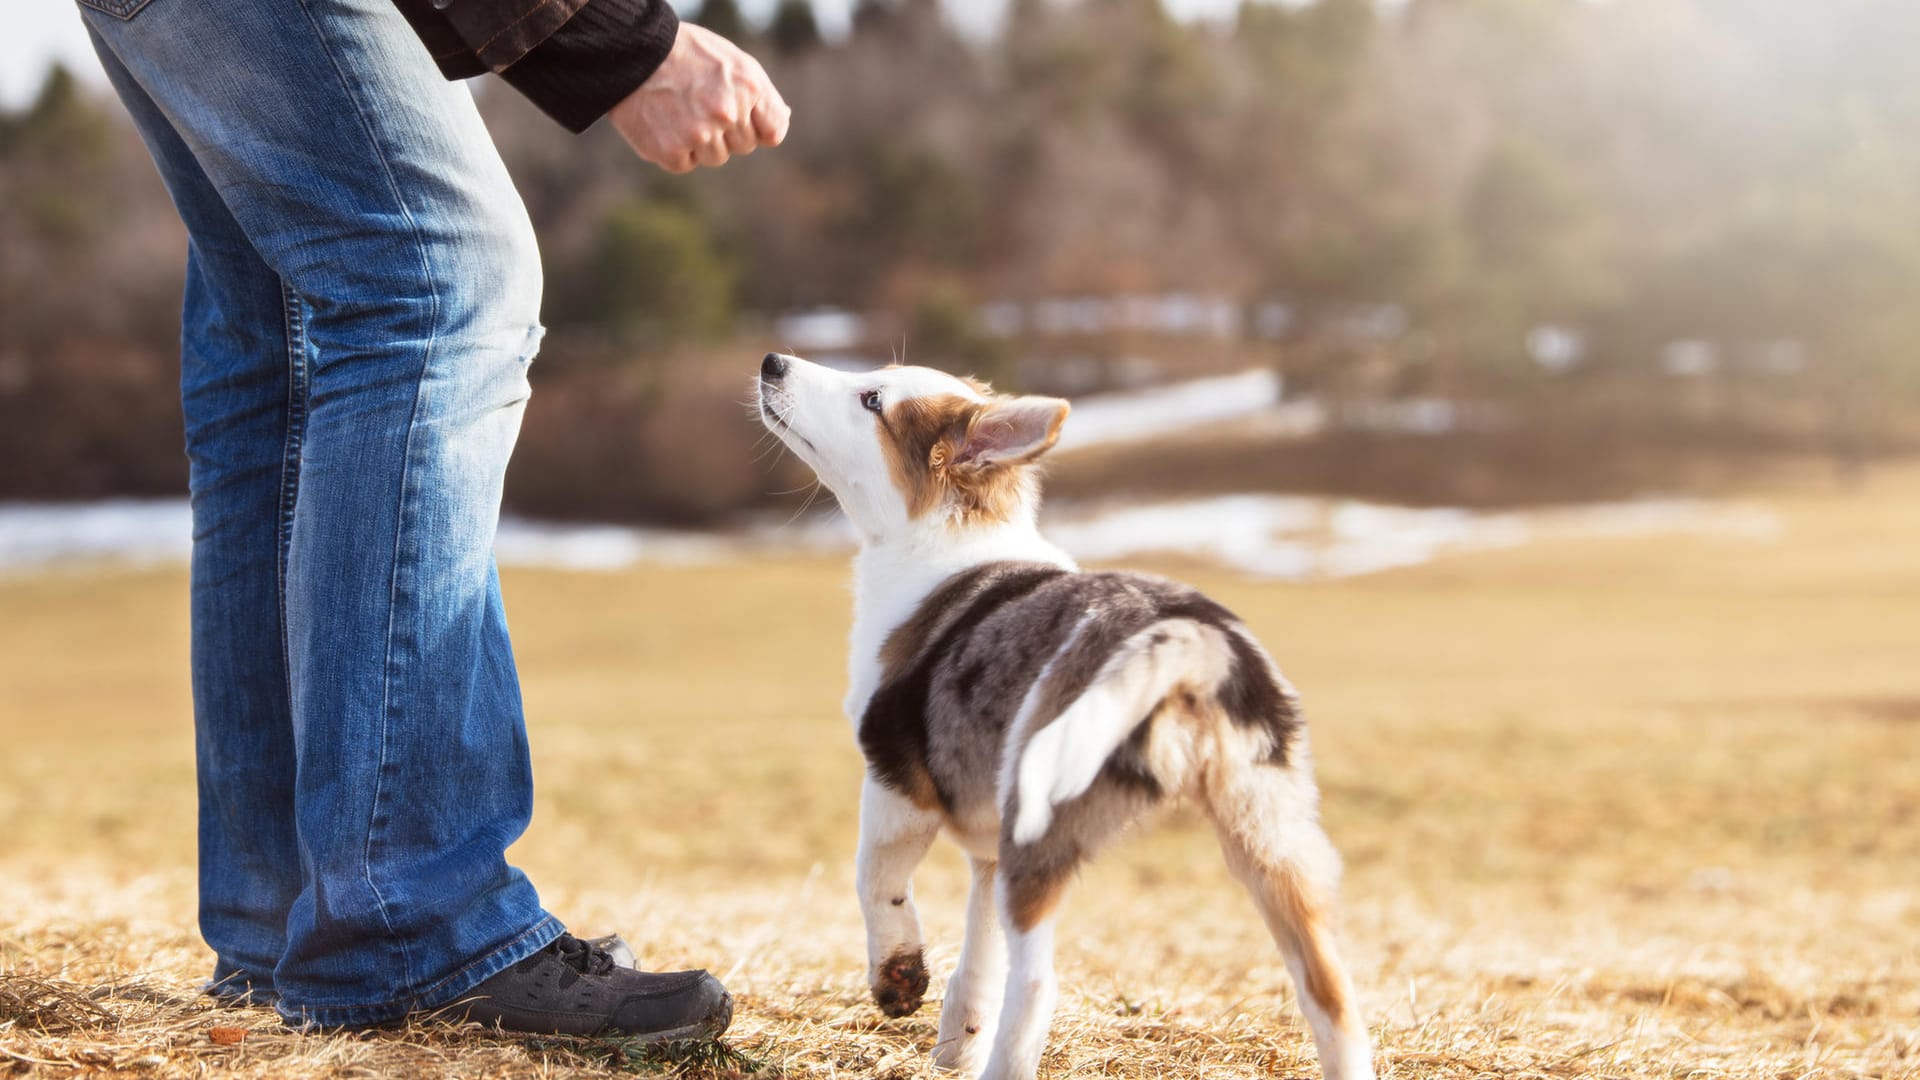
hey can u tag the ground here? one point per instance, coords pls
(1623, 808)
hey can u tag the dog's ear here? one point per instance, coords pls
(1012, 430)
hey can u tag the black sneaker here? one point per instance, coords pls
(616, 946)
(574, 987)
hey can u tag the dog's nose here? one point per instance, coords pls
(773, 366)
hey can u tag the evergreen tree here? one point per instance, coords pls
(872, 15)
(794, 30)
(723, 18)
(659, 276)
(60, 123)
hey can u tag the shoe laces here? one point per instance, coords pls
(582, 957)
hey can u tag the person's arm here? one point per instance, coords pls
(680, 95)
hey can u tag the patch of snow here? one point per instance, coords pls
(1003, 318)
(820, 329)
(1272, 319)
(138, 531)
(1283, 537)
(1139, 415)
(1558, 349)
(1420, 416)
(1298, 538)
(1690, 358)
(602, 547)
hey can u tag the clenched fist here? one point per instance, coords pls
(705, 103)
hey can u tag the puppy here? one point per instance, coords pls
(1034, 710)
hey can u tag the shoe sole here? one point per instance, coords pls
(714, 1026)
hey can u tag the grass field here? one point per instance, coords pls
(1632, 808)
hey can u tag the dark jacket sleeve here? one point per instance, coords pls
(575, 59)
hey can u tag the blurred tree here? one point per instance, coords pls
(794, 30)
(1538, 252)
(917, 207)
(870, 16)
(658, 276)
(52, 152)
(945, 332)
(90, 257)
(60, 123)
(1307, 55)
(723, 18)
(1173, 97)
(910, 24)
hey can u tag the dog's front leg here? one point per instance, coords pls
(894, 837)
(971, 1010)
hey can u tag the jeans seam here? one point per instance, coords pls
(406, 476)
(296, 333)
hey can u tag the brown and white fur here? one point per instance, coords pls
(1034, 710)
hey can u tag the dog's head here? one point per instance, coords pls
(906, 446)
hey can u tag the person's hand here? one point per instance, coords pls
(706, 102)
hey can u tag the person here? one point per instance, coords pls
(362, 303)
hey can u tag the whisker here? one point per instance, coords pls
(811, 495)
(760, 445)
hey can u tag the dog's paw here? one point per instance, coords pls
(962, 1050)
(900, 983)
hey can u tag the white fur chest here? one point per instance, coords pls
(892, 580)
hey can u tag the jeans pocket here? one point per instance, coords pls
(119, 9)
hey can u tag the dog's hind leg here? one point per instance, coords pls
(1266, 820)
(1027, 903)
(971, 1011)
(1032, 880)
(894, 836)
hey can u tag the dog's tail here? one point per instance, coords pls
(1183, 659)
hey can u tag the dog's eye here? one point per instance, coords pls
(870, 401)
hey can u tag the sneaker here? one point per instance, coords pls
(616, 946)
(575, 987)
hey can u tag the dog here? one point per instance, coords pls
(1034, 710)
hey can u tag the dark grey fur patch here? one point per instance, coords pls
(894, 727)
(1251, 695)
(1035, 873)
(961, 667)
(1127, 766)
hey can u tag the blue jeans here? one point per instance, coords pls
(362, 303)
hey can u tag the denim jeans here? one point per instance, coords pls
(362, 303)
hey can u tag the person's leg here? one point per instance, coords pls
(369, 185)
(242, 378)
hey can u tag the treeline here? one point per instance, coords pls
(1643, 203)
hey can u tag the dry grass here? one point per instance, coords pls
(1638, 808)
